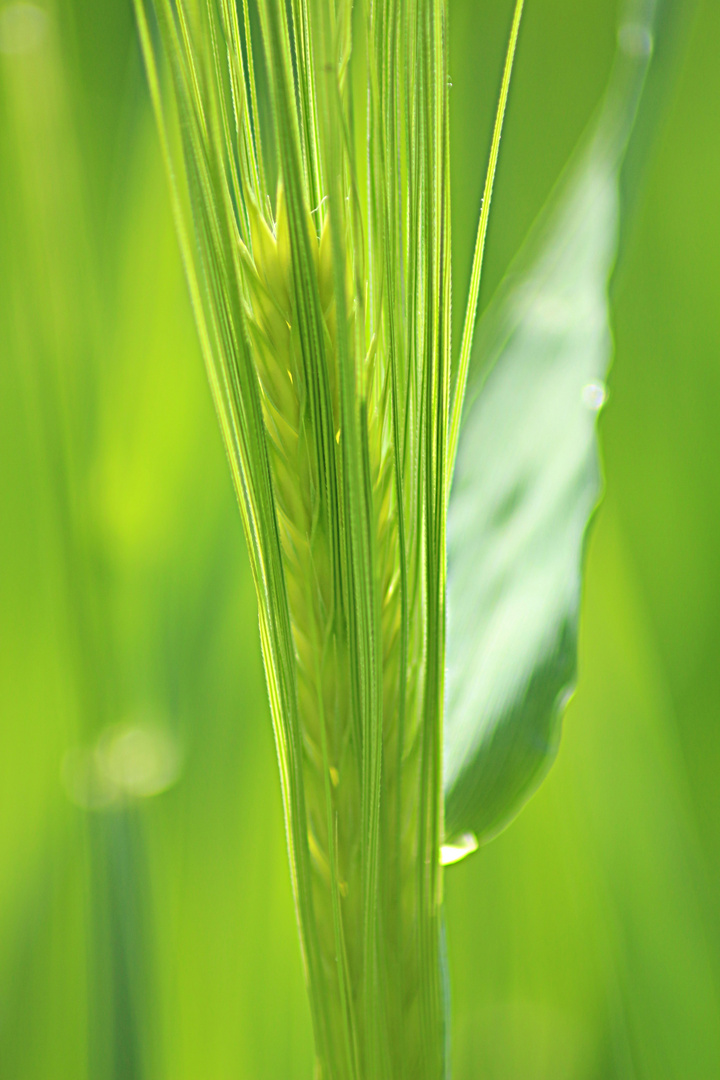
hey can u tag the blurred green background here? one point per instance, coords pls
(146, 926)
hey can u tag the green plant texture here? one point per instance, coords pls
(325, 318)
(415, 487)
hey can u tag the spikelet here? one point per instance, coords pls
(326, 338)
(312, 589)
(331, 754)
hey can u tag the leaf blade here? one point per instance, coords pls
(527, 481)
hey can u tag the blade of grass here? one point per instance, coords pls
(477, 263)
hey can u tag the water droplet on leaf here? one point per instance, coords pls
(458, 848)
(594, 396)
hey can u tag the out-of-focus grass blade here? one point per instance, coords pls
(50, 319)
(527, 481)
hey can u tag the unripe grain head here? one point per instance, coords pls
(324, 315)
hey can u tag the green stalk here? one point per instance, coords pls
(324, 315)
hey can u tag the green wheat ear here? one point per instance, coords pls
(324, 315)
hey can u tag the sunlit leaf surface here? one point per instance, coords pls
(527, 480)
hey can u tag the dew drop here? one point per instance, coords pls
(594, 396)
(458, 848)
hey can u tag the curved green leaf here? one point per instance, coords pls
(527, 481)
